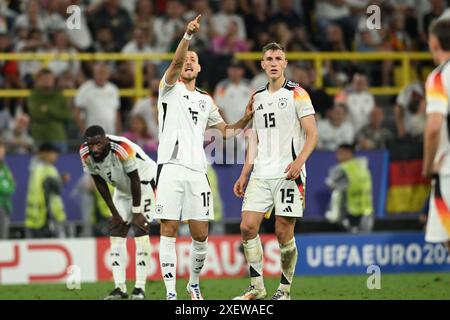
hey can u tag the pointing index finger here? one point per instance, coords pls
(197, 18)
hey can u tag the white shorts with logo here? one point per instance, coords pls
(124, 202)
(182, 194)
(438, 223)
(287, 196)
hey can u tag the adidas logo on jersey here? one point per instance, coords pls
(168, 275)
(288, 209)
(260, 107)
(142, 264)
(115, 264)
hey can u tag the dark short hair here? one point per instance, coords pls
(93, 131)
(272, 46)
(48, 147)
(440, 28)
(44, 71)
(348, 147)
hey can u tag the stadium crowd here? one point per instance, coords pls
(354, 116)
(230, 26)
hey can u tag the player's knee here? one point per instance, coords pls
(169, 229)
(199, 237)
(283, 235)
(248, 231)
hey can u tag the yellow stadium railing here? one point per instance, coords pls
(138, 59)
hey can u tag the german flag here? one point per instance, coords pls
(408, 190)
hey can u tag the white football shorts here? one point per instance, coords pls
(182, 194)
(287, 196)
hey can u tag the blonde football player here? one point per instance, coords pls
(285, 133)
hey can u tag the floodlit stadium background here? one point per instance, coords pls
(341, 54)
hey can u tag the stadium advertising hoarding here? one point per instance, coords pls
(48, 260)
(322, 254)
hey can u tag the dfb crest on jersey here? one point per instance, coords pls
(159, 209)
(202, 105)
(282, 103)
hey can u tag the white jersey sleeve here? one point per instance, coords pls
(164, 87)
(437, 91)
(303, 103)
(214, 115)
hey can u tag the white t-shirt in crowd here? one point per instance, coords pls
(331, 137)
(100, 104)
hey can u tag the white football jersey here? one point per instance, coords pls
(437, 90)
(277, 126)
(183, 117)
(124, 157)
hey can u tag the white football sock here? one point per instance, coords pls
(168, 262)
(254, 254)
(118, 254)
(197, 257)
(143, 251)
(289, 256)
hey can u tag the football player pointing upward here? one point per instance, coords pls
(183, 191)
(285, 133)
(123, 164)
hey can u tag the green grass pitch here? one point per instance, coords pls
(393, 286)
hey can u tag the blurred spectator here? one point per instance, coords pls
(336, 71)
(305, 76)
(45, 214)
(287, 14)
(60, 44)
(140, 134)
(146, 108)
(7, 188)
(49, 111)
(171, 27)
(144, 19)
(337, 12)
(53, 13)
(408, 9)
(229, 43)
(359, 100)
(17, 140)
(139, 43)
(32, 17)
(351, 204)
(202, 38)
(9, 75)
(36, 42)
(257, 21)
(410, 110)
(97, 102)
(335, 130)
(104, 40)
(228, 13)
(112, 16)
(231, 96)
(373, 135)
(398, 38)
(437, 9)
